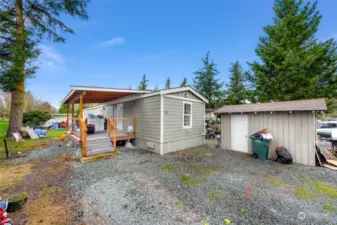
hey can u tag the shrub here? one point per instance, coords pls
(35, 118)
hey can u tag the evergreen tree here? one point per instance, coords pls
(294, 65)
(206, 83)
(184, 82)
(143, 83)
(37, 18)
(168, 83)
(236, 92)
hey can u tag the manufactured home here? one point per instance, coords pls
(291, 123)
(160, 121)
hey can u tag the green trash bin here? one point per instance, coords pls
(260, 148)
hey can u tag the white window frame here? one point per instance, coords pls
(190, 126)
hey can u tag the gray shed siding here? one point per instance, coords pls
(175, 137)
(296, 131)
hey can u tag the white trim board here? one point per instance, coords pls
(191, 116)
(182, 98)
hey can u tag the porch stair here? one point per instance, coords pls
(99, 146)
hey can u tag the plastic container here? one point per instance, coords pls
(260, 148)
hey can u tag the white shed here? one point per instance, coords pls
(292, 124)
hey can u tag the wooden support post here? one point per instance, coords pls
(84, 144)
(134, 125)
(115, 141)
(81, 107)
(67, 123)
(81, 117)
(72, 117)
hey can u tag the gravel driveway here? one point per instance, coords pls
(203, 186)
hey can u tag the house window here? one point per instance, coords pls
(187, 115)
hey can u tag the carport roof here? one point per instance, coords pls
(98, 94)
(299, 105)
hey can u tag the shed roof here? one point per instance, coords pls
(299, 105)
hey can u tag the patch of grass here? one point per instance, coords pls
(170, 168)
(11, 175)
(46, 210)
(3, 128)
(19, 197)
(209, 170)
(215, 194)
(328, 208)
(197, 153)
(50, 191)
(268, 194)
(304, 193)
(188, 180)
(243, 210)
(276, 182)
(178, 203)
(55, 133)
(325, 189)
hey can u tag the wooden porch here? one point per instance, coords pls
(99, 142)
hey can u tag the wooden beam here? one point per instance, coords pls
(81, 107)
(72, 117)
(67, 123)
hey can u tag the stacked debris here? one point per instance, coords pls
(326, 157)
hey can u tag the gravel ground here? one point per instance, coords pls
(203, 185)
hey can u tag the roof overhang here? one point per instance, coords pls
(97, 94)
(297, 105)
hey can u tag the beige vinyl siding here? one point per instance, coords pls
(127, 112)
(295, 131)
(174, 134)
(186, 94)
(147, 113)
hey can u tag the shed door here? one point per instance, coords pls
(239, 133)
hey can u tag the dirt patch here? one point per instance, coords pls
(50, 200)
(12, 174)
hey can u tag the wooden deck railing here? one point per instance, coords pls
(112, 124)
(83, 135)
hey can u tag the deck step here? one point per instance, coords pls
(96, 141)
(99, 151)
(97, 144)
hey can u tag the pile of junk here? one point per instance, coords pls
(260, 147)
(326, 149)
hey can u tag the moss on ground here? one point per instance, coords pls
(209, 170)
(19, 197)
(308, 188)
(170, 168)
(276, 182)
(329, 208)
(188, 180)
(215, 194)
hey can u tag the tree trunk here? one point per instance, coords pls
(15, 120)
